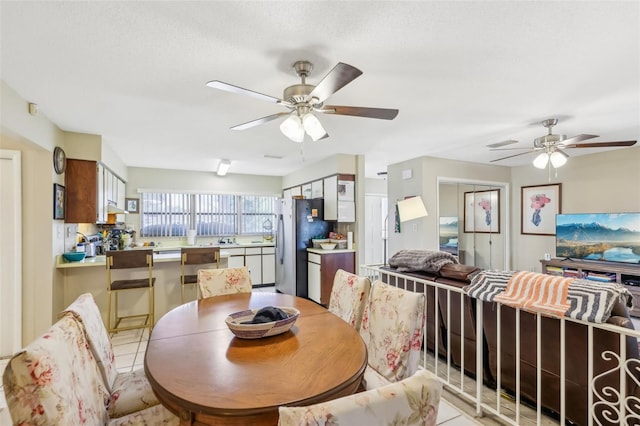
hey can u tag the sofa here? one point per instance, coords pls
(607, 383)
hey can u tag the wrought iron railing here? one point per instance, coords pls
(486, 368)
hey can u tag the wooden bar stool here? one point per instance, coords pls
(129, 259)
(196, 256)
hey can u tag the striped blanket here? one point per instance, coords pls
(550, 295)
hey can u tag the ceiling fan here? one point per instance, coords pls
(304, 99)
(551, 147)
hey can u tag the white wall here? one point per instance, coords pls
(35, 137)
(425, 174)
(605, 182)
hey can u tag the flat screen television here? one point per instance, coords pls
(613, 237)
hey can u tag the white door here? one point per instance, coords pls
(10, 253)
(375, 238)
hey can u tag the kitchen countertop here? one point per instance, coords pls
(160, 254)
(171, 256)
(321, 251)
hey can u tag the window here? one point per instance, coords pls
(172, 214)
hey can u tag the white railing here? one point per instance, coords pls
(612, 373)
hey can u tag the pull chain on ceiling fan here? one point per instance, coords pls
(304, 99)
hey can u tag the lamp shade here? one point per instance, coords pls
(558, 159)
(223, 167)
(411, 208)
(292, 128)
(313, 127)
(541, 161)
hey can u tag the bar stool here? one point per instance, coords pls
(129, 259)
(196, 256)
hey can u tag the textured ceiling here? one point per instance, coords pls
(463, 75)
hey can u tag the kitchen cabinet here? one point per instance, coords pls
(317, 189)
(253, 261)
(268, 265)
(91, 187)
(339, 198)
(322, 266)
(261, 262)
(236, 257)
(306, 191)
(81, 184)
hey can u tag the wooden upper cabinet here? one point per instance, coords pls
(81, 191)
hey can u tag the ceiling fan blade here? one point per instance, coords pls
(514, 155)
(509, 149)
(336, 79)
(577, 138)
(601, 144)
(259, 121)
(382, 113)
(215, 84)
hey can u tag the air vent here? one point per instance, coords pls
(503, 143)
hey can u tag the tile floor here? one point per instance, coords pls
(129, 347)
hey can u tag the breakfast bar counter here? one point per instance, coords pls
(90, 276)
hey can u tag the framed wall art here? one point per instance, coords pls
(540, 204)
(132, 205)
(482, 211)
(58, 201)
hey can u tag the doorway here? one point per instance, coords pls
(10, 253)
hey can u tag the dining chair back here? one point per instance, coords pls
(129, 391)
(190, 256)
(349, 295)
(218, 282)
(412, 401)
(392, 328)
(133, 260)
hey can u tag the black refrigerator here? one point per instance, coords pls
(298, 222)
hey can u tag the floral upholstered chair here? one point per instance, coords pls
(348, 296)
(412, 401)
(128, 392)
(218, 282)
(392, 327)
(56, 380)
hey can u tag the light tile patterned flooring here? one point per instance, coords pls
(129, 348)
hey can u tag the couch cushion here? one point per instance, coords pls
(457, 271)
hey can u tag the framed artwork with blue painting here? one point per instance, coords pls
(540, 204)
(482, 211)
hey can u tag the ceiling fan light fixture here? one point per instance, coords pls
(558, 159)
(292, 128)
(313, 127)
(541, 161)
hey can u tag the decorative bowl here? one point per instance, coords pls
(256, 331)
(74, 256)
(328, 246)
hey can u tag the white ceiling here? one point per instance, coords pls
(462, 74)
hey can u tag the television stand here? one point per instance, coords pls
(625, 273)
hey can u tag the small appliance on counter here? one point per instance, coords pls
(118, 239)
(92, 244)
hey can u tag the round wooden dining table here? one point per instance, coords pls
(205, 375)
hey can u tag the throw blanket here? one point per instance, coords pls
(421, 260)
(550, 295)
